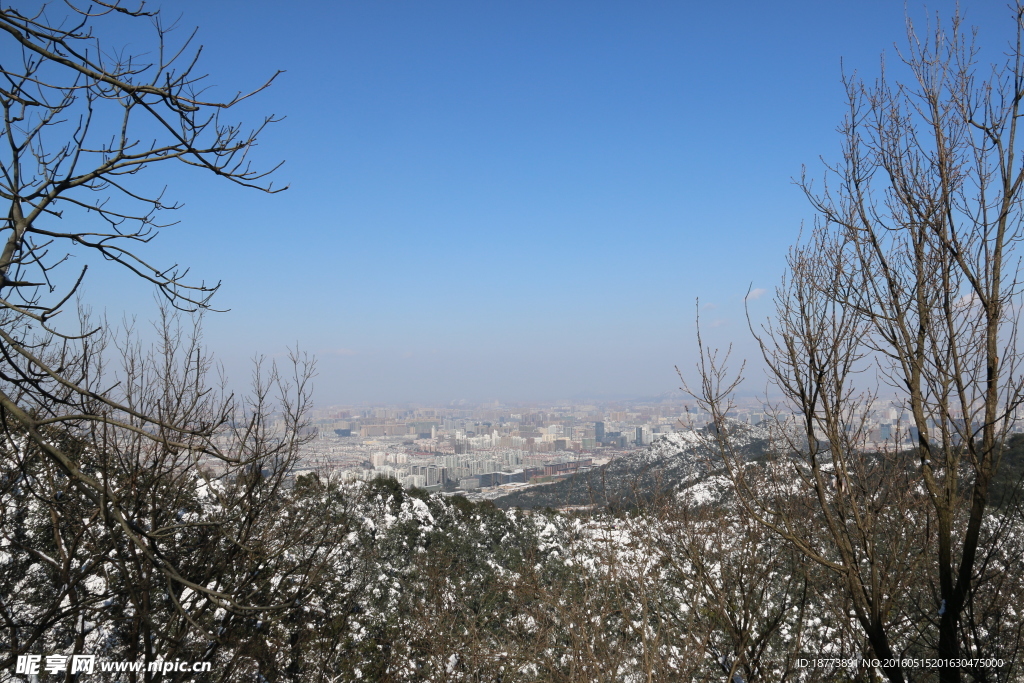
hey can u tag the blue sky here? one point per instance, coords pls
(514, 200)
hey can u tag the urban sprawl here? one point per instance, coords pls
(485, 451)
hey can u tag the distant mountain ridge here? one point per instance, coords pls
(675, 462)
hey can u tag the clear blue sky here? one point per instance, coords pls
(515, 200)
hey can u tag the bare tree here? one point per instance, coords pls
(82, 119)
(909, 275)
(744, 595)
(205, 559)
(170, 487)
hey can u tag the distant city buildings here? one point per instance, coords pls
(468, 448)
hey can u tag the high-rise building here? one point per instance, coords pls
(599, 432)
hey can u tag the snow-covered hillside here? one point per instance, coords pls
(674, 461)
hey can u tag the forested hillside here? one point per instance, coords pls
(350, 582)
(672, 462)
